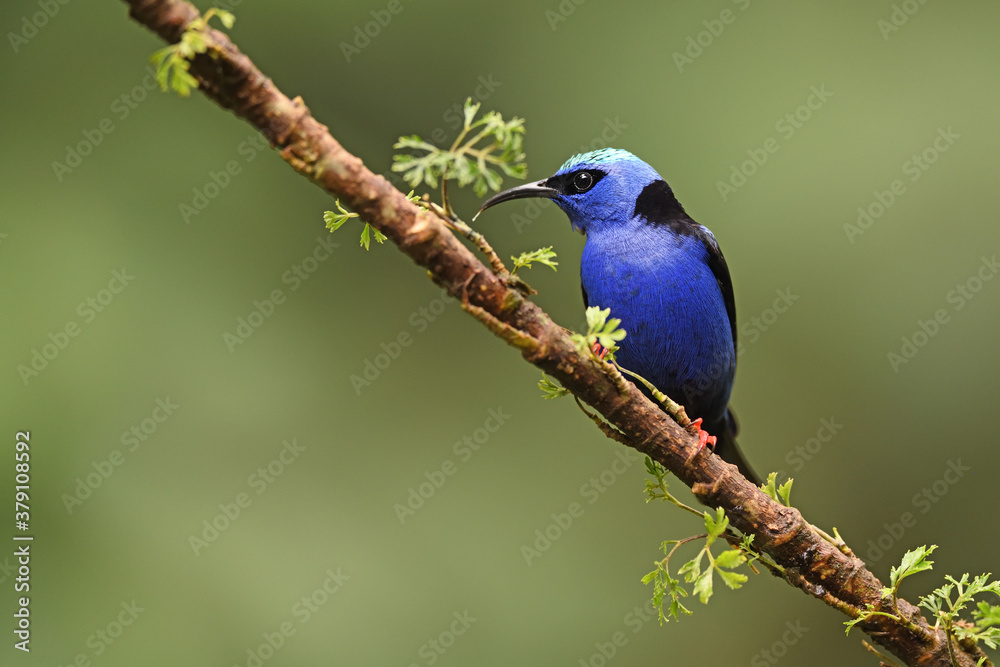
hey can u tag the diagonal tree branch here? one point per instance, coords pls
(805, 559)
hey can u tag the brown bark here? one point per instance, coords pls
(809, 562)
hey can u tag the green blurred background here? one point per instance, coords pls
(581, 74)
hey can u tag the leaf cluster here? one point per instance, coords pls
(601, 330)
(485, 147)
(986, 617)
(550, 389)
(782, 493)
(696, 571)
(334, 220)
(985, 625)
(543, 256)
(173, 62)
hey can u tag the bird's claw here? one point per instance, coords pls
(599, 350)
(703, 437)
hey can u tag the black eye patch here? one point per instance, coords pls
(576, 182)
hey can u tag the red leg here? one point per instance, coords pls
(703, 437)
(599, 350)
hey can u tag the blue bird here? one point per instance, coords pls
(662, 274)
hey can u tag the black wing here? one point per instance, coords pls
(658, 206)
(717, 263)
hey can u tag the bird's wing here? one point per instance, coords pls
(586, 301)
(658, 206)
(717, 263)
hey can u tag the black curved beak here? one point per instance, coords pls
(539, 189)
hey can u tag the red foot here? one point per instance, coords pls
(703, 437)
(599, 350)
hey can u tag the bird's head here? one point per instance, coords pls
(600, 189)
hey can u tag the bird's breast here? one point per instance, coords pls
(678, 332)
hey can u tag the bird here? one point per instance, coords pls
(662, 274)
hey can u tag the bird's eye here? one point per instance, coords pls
(583, 181)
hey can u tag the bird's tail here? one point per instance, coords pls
(727, 448)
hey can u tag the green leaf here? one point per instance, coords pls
(600, 329)
(730, 558)
(550, 389)
(335, 220)
(768, 487)
(596, 318)
(611, 334)
(691, 569)
(703, 586)
(656, 469)
(191, 43)
(183, 82)
(162, 74)
(784, 491)
(850, 624)
(470, 110)
(914, 561)
(986, 615)
(733, 580)
(676, 593)
(542, 256)
(365, 239)
(715, 526)
(225, 17)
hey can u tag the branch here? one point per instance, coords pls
(806, 559)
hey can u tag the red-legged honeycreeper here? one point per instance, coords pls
(662, 274)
